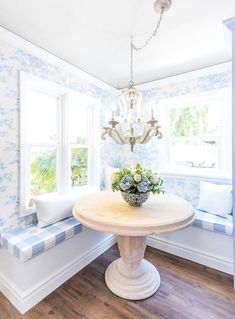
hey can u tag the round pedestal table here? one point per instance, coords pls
(131, 276)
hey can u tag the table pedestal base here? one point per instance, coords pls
(131, 276)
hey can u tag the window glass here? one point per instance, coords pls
(43, 170)
(78, 124)
(78, 139)
(194, 135)
(42, 117)
(79, 167)
(42, 132)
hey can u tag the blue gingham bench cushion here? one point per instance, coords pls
(213, 222)
(26, 243)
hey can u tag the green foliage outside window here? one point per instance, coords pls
(43, 173)
(43, 169)
(189, 121)
(79, 163)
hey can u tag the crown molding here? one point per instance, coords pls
(19, 42)
(217, 68)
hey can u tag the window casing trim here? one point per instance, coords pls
(64, 95)
(224, 170)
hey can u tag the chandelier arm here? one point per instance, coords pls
(116, 140)
(117, 136)
(105, 132)
(147, 140)
(159, 136)
(150, 133)
(125, 138)
(141, 137)
(114, 137)
(149, 39)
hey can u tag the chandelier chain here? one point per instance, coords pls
(136, 48)
(131, 64)
(135, 126)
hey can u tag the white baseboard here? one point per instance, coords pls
(24, 300)
(196, 255)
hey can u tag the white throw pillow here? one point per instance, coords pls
(53, 208)
(215, 199)
(108, 172)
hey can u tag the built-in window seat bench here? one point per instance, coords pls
(28, 242)
(35, 261)
(208, 241)
(214, 223)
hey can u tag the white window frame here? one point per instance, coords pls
(65, 97)
(224, 159)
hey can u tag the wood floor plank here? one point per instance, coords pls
(188, 291)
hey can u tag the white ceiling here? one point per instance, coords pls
(94, 35)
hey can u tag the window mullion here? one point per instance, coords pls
(46, 145)
(62, 183)
(66, 148)
(90, 123)
(59, 174)
(79, 145)
(94, 142)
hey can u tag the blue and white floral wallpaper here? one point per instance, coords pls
(198, 85)
(13, 60)
(149, 154)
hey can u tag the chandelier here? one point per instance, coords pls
(135, 125)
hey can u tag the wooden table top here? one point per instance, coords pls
(108, 212)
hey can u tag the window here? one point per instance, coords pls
(59, 140)
(42, 142)
(197, 134)
(78, 145)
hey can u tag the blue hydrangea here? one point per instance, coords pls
(143, 186)
(127, 178)
(126, 182)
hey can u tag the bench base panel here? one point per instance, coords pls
(27, 283)
(207, 248)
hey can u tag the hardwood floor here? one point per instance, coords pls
(187, 291)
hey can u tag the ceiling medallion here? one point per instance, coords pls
(134, 125)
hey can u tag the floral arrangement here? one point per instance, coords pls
(136, 181)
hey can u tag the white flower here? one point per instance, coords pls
(137, 178)
(144, 175)
(133, 171)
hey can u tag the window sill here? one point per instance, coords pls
(198, 176)
(83, 190)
